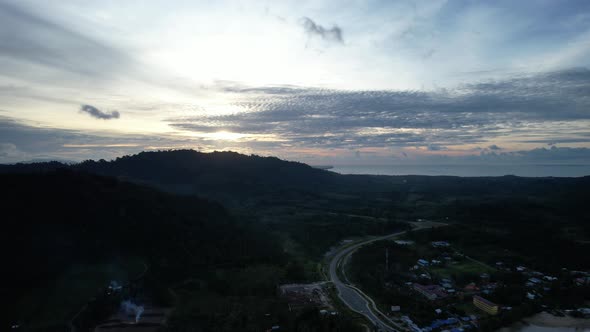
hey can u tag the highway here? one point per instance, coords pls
(351, 296)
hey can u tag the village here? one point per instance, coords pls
(417, 284)
(454, 292)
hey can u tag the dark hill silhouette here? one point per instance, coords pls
(230, 175)
(190, 171)
(55, 219)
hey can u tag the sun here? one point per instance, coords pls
(225, 136)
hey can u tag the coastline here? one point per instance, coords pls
(545, 319)
(545, 322)
(466, 170)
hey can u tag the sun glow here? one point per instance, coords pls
(220, 135)
(231, 136)
(225, 136)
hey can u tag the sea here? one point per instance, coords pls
(536, 170)
(534, 328)
(545, 322)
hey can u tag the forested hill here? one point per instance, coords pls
(193, 172)
(260, 185)
(54, 220)
(57, 215)
(277, 190)
(63, 214)
(222, 174)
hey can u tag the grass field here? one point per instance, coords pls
(468, 308)
(464, 267)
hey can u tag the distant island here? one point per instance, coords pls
(322, 166)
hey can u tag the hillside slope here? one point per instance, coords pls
(58, 220)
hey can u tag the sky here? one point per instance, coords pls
(322, 82)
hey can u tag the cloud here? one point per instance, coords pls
(538, 108)
(9, 151)
(436, 147)
(23, 142)
(564, 156)
(55, 52)
(20, 142)
(428, 54)
(98, 114)
(312, 29)
(494, 147)
(28, 38)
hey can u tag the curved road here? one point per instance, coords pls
(352, 297)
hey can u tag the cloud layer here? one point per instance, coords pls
(26, 37)
(24, 143)
(521, 108)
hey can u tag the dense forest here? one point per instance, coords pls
(69, 233)
(219, 231)
(61, 219)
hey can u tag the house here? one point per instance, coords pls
(582, 281)
(431, 292)
(520, 268)
(472, 287)
(585, 312)
(535, 280)
(490, 286)
(114, 287)
(442, 324)
(440, 244)
(404, 242)
(446, 285)
(423, 262)
(485, 305)
(425, 276)
(411, 324)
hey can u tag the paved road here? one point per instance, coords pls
(351, 297)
